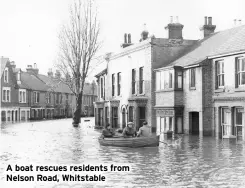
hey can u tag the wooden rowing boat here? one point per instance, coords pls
(134, 142)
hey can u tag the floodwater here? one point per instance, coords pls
(195, 162)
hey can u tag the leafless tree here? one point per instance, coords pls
(79, 43)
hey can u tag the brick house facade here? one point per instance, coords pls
(196, 107)
(32, 96)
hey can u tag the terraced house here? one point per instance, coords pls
(30, 95)
(185, 86)
(127, 84)
(203, 91)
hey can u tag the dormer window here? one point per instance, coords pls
(6, 75)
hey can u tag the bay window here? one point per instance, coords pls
(164, 80)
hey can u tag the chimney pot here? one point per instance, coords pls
(171, 19)
(129, 38)
(177, 19)
(125, 38)
(240, 22)
(209, 20)
(205, 20)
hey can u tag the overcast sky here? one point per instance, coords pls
(29, 28)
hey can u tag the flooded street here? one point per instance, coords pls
(196, 162)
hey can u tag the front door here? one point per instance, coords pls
(141, 116)
(123, 118)
(195, 122)
(100, 116)
(179, 125)
(239, 119)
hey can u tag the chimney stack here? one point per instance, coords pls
(144, 34)
(12, 63)
(32, 70)
(50, 73)
(127, 40)
(174, 29)
(208, 27)
(57, 74)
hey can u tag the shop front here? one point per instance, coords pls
(169, 119)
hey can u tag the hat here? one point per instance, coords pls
(130, 123)
(145, 123)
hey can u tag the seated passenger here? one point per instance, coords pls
(129, 130)
(145, 130)
(107, 132)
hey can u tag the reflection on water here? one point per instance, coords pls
(196, 162)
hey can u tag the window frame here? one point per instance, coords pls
(141, 80)
(101, 87)
(22, 95)
(36, 96)
(133, 81)
(119, 78)
(6, 75)
(218, 74)
(179, 74)
(7, 91)
(239, 71)
(48, 98)
(165, 80)
(192, 79)
(113, 84)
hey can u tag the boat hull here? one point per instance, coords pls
(135, 142)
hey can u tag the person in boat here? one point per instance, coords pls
(107, 132)
(145, 130)
(129, 130)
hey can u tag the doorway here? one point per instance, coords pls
(100, 116)
(123, 118)
(141, 116)
(194, 118)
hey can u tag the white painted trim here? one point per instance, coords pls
(191, 66)
(226, 54)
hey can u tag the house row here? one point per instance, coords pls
(32, 96)
(186, 86)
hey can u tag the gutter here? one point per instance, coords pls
(226, 54)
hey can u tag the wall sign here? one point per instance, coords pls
(165, 112)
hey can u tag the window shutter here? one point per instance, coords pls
(236, 72)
